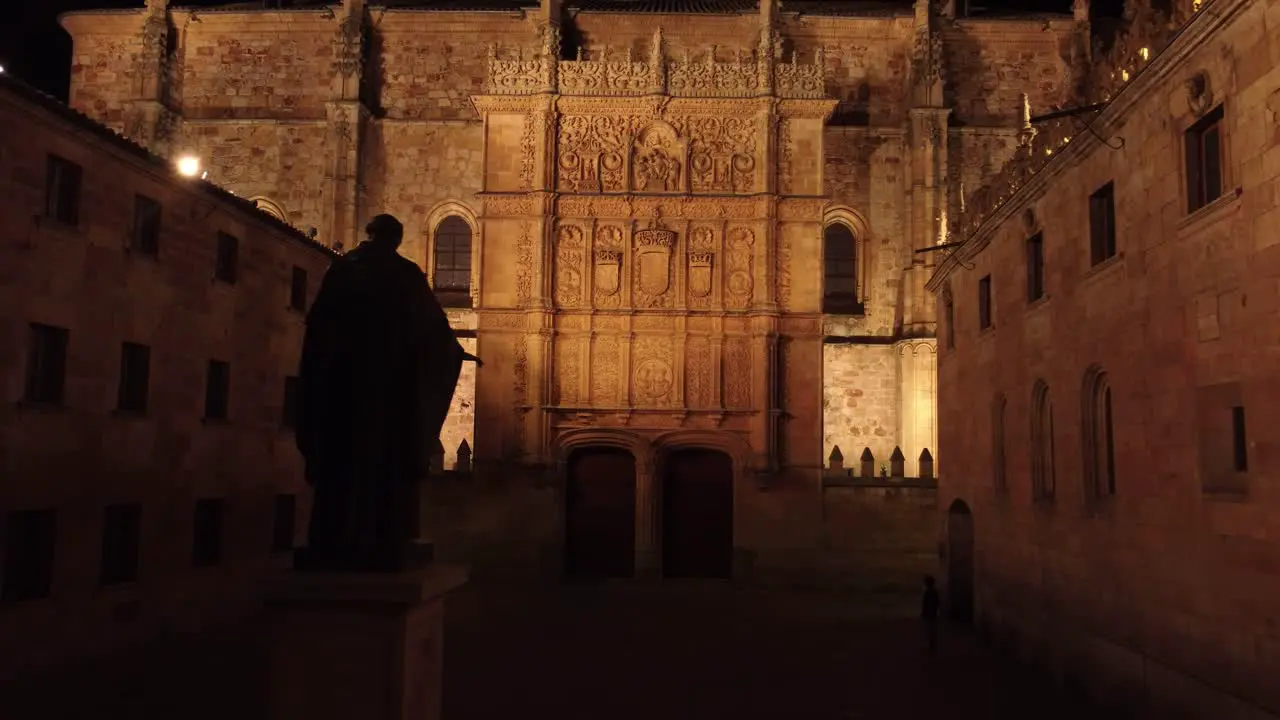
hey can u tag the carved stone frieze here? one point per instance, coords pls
(570, 255)
(739, 260)
(801, 209)
(508, 205)
(698, 376)
(737, 373)
(503, 321)
(722, 153)
(568, 371)
(700, 324)
(783, 270)
(606, 356)
(524, 270)
(663, 323)
(529, 148)
(610, 322)
(784, 157)
(572, 322)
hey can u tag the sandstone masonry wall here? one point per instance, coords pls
(81, 455)
(1165, 590)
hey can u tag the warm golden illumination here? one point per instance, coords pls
(1124, 76)
(188, 166)
(1145, 54)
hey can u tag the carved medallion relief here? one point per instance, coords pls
(739, 283)
(570, 254)
(653, 375)
(722, 154)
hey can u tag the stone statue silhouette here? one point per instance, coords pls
(379, 367)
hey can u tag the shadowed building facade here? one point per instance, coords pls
(1107, 372)
(680, 235)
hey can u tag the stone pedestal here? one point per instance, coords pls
(365, 646)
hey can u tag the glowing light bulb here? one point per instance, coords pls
(189, 166)
(1145, 53)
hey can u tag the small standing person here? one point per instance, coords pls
(929, 614)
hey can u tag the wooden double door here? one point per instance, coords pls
(695, 514)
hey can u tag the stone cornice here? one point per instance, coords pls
(101, 22)
(1195, 34)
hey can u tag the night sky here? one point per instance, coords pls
(34, 48)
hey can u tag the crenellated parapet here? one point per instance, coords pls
(746, 74)
(1145, 33)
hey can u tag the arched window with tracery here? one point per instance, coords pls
(1098, 435)
(1042, 460)
(999, 472)
(840, 270)
(451, 262)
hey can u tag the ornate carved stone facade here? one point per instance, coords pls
(648, 206)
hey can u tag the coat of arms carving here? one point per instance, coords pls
(653, 258)
(608, 274)
(700, 273)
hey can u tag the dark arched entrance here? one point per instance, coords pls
(600, 513)
(960, 562)
(697, 514)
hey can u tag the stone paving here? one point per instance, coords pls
(619, 651)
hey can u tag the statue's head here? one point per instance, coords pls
(385, 230)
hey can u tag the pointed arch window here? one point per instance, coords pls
(1042, 460)
(451, 262)
(840, 294)
(1098, 435)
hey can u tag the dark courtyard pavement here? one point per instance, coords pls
(619, 651)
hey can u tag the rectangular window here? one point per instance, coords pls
(121, 535)
(1035, 267)
(1239, 440)
(228, 258)
(984, 303)
(289, 406)
(62, 191)
(47, 364)
(146, 226)
(28, 555)
(217, 390)
(298, 289)
(206, 538)
(1102, 224)
(1204, 160)
(135, 378)
(286, 514)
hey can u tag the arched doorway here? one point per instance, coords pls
(697, 514)
(960, 562)
(600, 513)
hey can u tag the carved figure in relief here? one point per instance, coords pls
(653, 261)
(569, 257)
(653, 379)
(739, 243)
(656, 159)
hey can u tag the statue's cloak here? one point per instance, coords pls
(379, 367)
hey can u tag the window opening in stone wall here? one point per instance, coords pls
(1043, 481)
(840, 271)
(1035, 267)
(146, 226)
(228, 258)
(289, 404)
(298, 289)
(62, 191)
(46, 380)
(1000, 476)
(1098, 435)
(206, 537)
(271, 208)
(1204, 160)
(1102, 224)
(121, 538)
(984, 303)
(452, 262)
(217, 390)
(1239, 439)
(135, 378)
(284, 524)
(30, 539)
